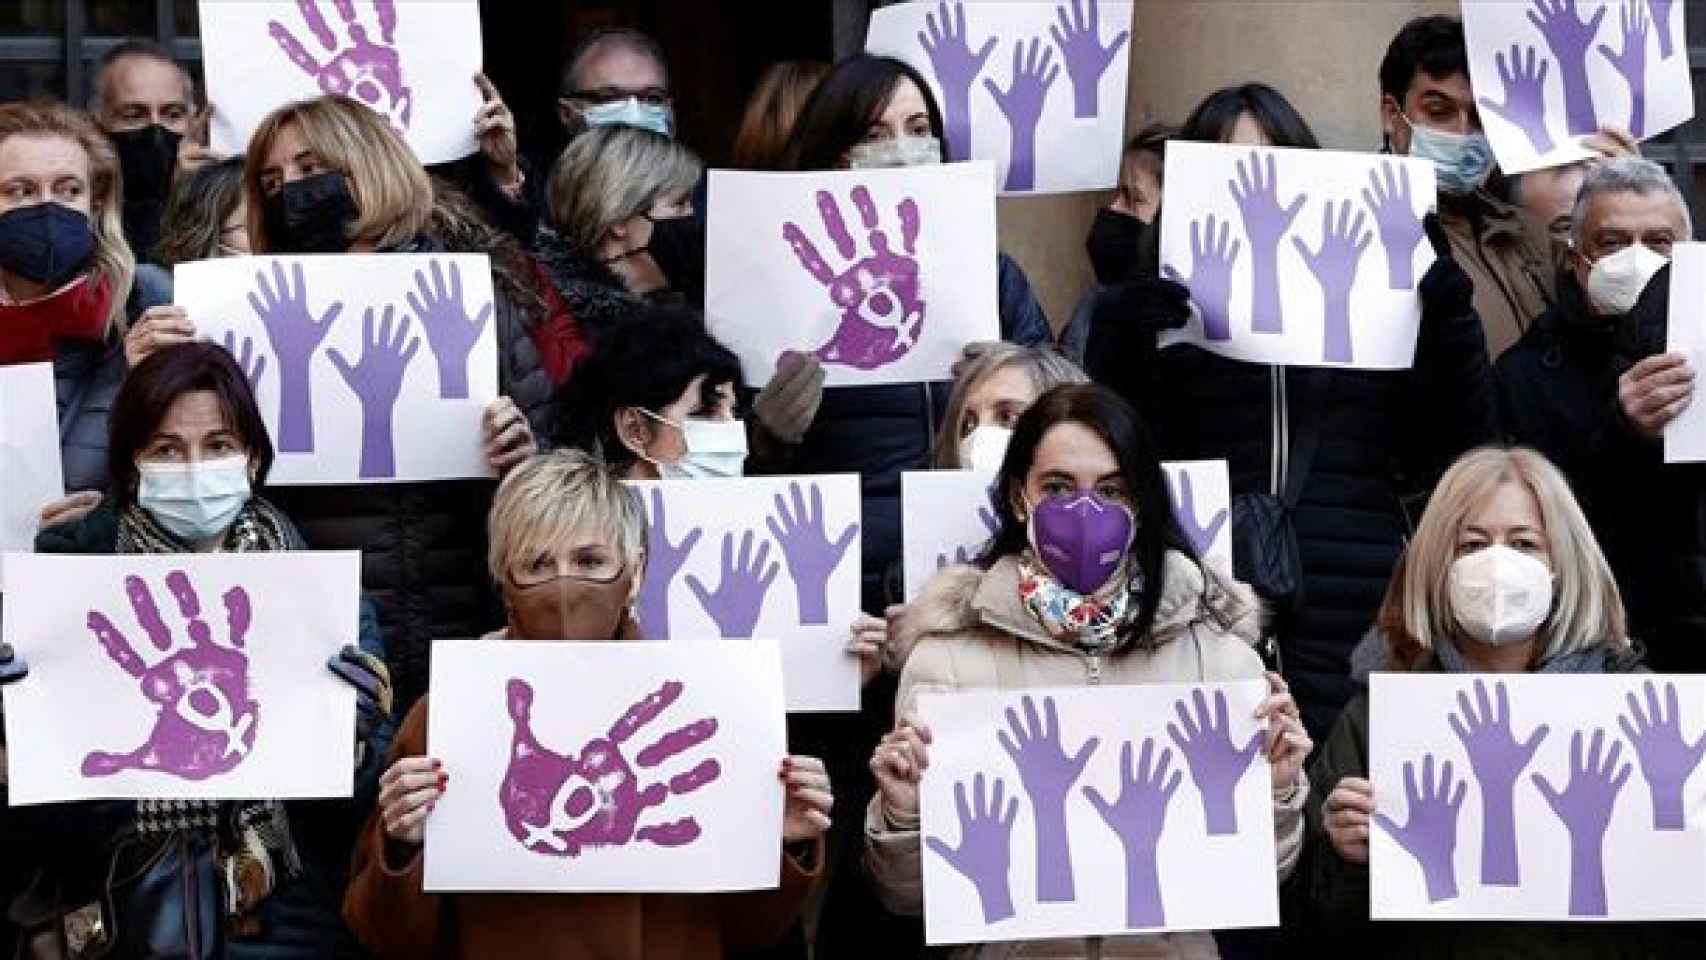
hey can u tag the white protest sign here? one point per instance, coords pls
(1091, 811)
(1038, 89)
(1202, 503)
(769, 557)
(1537, 797)
(30, 473)
(368, 368)
(642, 767)
(412, 61)
(1547, 73)
(181, 675)
(884, 275)
(1298, 257)
(1685, 333)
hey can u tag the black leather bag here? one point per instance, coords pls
(165, 897)
(1265, 553)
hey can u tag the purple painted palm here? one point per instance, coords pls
(1498, 759)
(956, 67)
(1266, 220)
(1079, 37)
(1631, 62)
(1395, 216)
(1334, 264)
(253, 365)
(1217, 764)
(746, 577)
(1661, 20)
(356, 66)
(1048, 773)
(1584, 806)
(449, 330)
(295, 337)
(1199, 534)
(1022, 104)
(1136, 816)
(878, 295)
(663, 561)
(985, 853)
(1667, 758)
(1570, 38)
(377, 380)
(1524, 106)
(1430, 835)
(1213, 255)
(811, 556)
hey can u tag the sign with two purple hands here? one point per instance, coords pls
(1549, 72)
(367, 367)
(1094, 811)
(1537, 797)
(612, 767)
(1036, 88)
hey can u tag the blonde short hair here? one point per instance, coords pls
(553, 496)
(1587, 609)
(113, 262)
(393, 195)
(1047, 368)
(611, 173)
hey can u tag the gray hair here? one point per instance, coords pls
(611, 173)
(1626, 175)
(608, 38)
(144, 49)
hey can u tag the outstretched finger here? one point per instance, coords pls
(645, 711)
(676, 741)
(147, 612)
(808, 254)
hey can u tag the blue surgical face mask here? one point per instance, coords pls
(195, 502)
(1462, 161)
(655, 117)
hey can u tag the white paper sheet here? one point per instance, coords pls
(30, 471)
(1685, 333)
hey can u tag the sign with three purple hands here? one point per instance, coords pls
(180, 676)
(617, 767)
(1299, 257)
(770, 557)
(412, 62)
(883, 275)
(369, 368)
(1685, 333)
(1537, 797)
(1090, 811)
(1548, 72)
(1037, 89)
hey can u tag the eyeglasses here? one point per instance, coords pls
(589, 566)
(649, 96)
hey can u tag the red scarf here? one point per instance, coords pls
(76, 311)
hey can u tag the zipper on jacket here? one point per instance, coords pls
(1279, 465)
(1095, 668)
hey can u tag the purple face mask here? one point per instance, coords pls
(1081, 539)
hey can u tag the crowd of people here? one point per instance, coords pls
(1382, 520)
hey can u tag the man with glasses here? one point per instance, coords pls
(616, 75)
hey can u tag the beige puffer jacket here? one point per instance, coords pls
(969, 630)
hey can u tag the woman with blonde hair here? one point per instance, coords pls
(991, 391)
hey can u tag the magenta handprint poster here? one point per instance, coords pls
(606, 767)
(183, 676)
(775, 558)
(412, 62)
(1297, 257)
(1685, 437)
(30, 472)
(882, 275)
(1038, 89)
(1547, 73)
(369, 368)
(1537, 797)
(1096, 811)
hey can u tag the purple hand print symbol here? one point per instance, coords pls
(1079, 37)
(1497, 759)
(252, 364)
(1265, 222)
(663, 561)
(558, 805)
(739, 598)
(1631, 63)
(1401, 232)
(449, 330)
(1661, 20)
(368, 71)
(377, 380)
(1524, 79)
(1667, 758)
(808, 551)
(1570, 37)
(1048, 774)
(1430, 836)
(207, 722)
(1136, 816)
(985, 853)
(295, 337)
(968, 553)
(1335, 268)
(1585, 806)
(1212, 258)
(1217, 764)
(1022, 103)
(1185, 510)
(955, 66)
(878, 296)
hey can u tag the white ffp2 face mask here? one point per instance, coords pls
(985, 447)
(1501, 596)
(1615, 281)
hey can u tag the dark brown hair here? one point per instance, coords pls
(775, 104)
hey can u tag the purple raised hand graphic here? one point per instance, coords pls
(1048, 773)
(1185, 510)
(1335, 267)
(1661, 20)
(207, 721)
(1498, 759)
(1212, 258)
(1524, 106)
(356, 67)
(1022, 104)
(956, 67)
(1136, 816)
(295, 337)
(1430, 836)
(1631, 62)
(882, 313)
(377, 380)
(739, 599)
(558, 805)
(985, 853)
(1266, 220)
(1570, 37)
(1667, 758)
(811, 556)
(663, 561)
(1217, 764)
(252, 364)
(1079, 37)
(1394, 209)
(449, 331)
(1585, 806)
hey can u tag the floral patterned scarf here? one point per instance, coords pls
(1094, 623)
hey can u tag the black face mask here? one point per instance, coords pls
(146, 157)
(311, 215)
(47, 243)
(678, 248)
(1112, 245)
